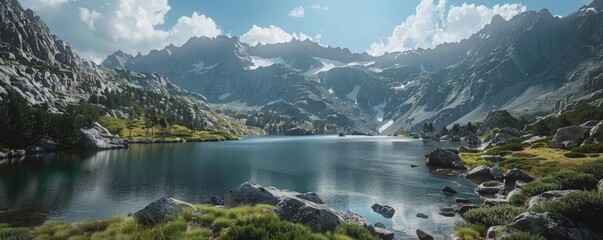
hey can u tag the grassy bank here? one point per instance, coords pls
(246, 222)
(137, 130)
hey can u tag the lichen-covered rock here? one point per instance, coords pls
(492, 231)
(98, 137)
(547, 197)
(319, 217)
(480, 173)
(250, 194)
(513, 175)
(445, 159)
(163, 210)
(490, 188)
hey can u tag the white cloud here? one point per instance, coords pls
(297, 12)
(432, 25)
(272, 34)
(130, 25)
(89, 17)
(318, 7)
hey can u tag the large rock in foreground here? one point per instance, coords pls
(319, 217)
(445, 159)
(551, 226)
(251, 194)
(480, 174)
(163, 210)
(99, 138)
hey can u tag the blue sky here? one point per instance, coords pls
(97, 28)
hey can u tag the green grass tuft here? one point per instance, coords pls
(493, 216)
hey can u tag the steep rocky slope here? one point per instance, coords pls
(45, 70)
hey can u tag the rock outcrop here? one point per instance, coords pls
(445, 159)
(99, 138)
(319, 217)
(568, 137)
(480, 174)
(160, 211)
(514, 175)
(547, 197)
(499, 119)
(250, 194)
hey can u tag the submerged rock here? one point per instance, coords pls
(319, 217)
(423, 235)
(421, 215)
(448, 190)
(99, 138)
(163, 210)
(445, 159)
(384, 210)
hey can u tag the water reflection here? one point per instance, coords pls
(349, 173)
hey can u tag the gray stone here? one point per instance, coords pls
(15, 153)
(380, 225)
(445, 159)
(251, 194)
(485, 189)
(421, 215)
(534, 139)
(513, 193)
(518, 183)
(462, 209)
(597, 131)
(449, 190)
(547, 197)
(493, 230)
(423, 235)
(569, 144)
(589, 124)
(355, 219)
(384, 234)
(511, 131)
(2, 155)
(319, 217)
(569, 135)
(384, 210)
(163, 210)
(99, 138)
(513, 175)
(447, 212)
(496, 173)
(480, 173)
(491, 158)
(462, 200)
(551, 226)
(600, 185)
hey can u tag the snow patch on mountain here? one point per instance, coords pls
(353, 94)
(329, 64)
(386, 125)
(404, 86)
(200, 67)
(224, 96)
(259, 62)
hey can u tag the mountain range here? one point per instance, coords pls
(532, 65)
(45, 70)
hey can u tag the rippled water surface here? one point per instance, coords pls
(349, 173)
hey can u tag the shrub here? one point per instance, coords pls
(222, 222)
(481, 229)
(589, 148)
(269, 227)
(492, 183)
(594, 167)
(569, 179)
(174, 229)
(466, 233)
(504, 149)
(574, 155)
(493, 216)
(355, 232)
(15, 234)
(521, 236)
(584, 206)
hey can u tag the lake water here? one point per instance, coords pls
(350, 173)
